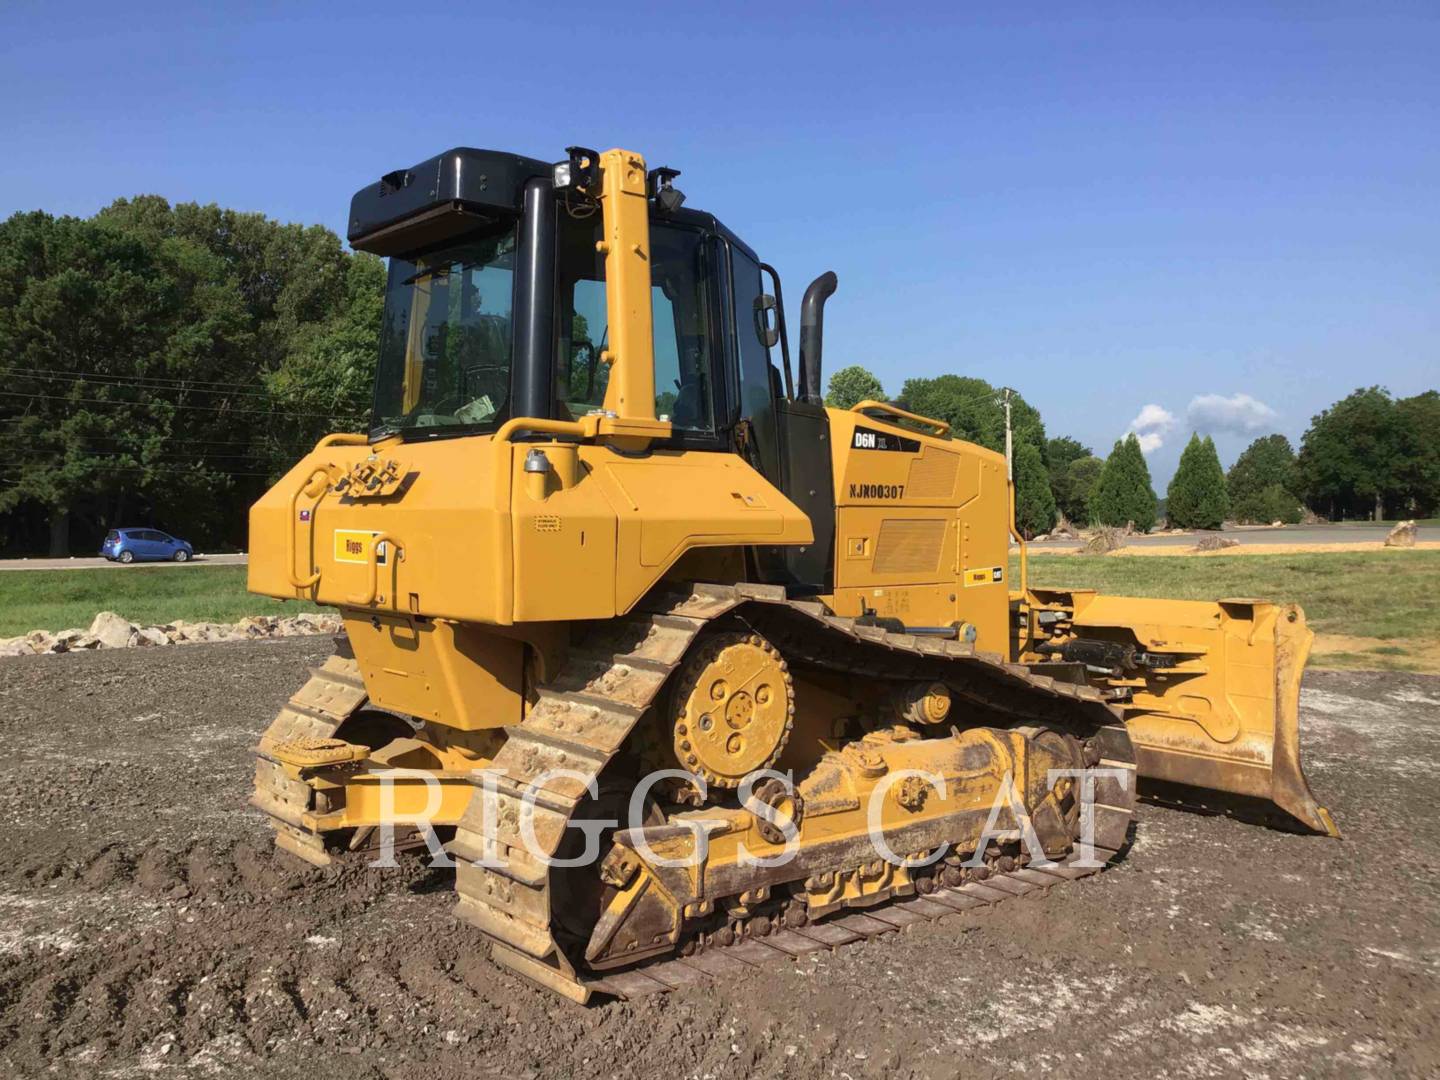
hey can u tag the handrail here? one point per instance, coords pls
(342, 438)
(367, 598)
(940, 426)
(584, 429)
(309, 490)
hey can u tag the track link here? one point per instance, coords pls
(780, 946)
(583, 718)
(334, 692)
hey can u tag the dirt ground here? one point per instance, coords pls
(146, 928)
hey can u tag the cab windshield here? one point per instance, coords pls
(445, 345)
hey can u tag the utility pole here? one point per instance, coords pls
(1009, 459)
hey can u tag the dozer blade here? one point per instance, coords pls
(1213, 697)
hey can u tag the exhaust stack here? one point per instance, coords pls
(812, 329)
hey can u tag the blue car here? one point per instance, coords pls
(139, 545)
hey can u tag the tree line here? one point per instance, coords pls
(162, 365)
(1368, 455)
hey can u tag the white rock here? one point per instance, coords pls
(15, 646)
(111, 630)
(151, 635)
(1402, 535)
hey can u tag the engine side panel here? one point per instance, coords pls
(921, 528)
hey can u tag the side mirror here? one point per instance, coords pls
(767, 322)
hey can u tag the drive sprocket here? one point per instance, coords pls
(732, 708)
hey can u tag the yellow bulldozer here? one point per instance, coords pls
(683, 668)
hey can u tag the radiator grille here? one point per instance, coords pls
(932, 475)
(908, 547)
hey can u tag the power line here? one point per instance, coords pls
(169, 469)
(172, 405)
(170, 436)
(40, 372)
(168, 442)
(100, 451)
(142, 384)
(136, 384)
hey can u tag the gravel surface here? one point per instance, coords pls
(147, 928)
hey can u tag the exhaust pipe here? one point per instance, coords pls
(812, 329)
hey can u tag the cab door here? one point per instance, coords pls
(788, 442)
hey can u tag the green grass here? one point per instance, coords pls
(1393, 596)
(60, 599)
(1390, 596)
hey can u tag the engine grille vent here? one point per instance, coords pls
(907, 546)
(932, 475)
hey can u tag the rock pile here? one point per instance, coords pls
(111, 631)
(1215, 543)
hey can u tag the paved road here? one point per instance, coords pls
(101, 564)
(1292, 534)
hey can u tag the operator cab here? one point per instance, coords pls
(495, 308)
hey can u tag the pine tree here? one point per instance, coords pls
(1034, 503)
(1060, 454)
(1196, 498)
(1123, 493)
(1080, 482)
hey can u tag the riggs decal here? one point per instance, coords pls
(877, 491)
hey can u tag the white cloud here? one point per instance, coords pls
(1239, 413)
(1151, 425)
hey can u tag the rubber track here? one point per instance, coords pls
(585, 715)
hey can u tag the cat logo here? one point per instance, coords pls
(985, 575)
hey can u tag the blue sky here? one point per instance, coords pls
(1116, 212)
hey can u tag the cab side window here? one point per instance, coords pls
(680, 310)
(757, 383)
(679, 272)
